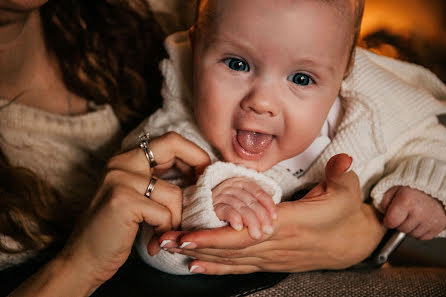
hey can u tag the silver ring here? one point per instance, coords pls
(144, 144)
(150, 187)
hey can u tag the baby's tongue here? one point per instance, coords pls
(253, 142)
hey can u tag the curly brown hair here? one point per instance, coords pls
(108, 51)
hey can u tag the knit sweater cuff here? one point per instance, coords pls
(421, 173)
(198, 209)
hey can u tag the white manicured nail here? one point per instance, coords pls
(196, 269)
(185, 244)
(193, 268)
(164, 242)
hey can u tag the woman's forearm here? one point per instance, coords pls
(59, 277)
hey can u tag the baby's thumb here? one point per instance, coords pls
(337, 166)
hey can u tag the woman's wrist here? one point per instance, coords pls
(375, 229)
(61, 276)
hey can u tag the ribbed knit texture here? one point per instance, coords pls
(67, 152)
(389, 127)
(198, 209)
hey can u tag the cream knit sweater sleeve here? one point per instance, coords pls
(198, 212)
(407, 99)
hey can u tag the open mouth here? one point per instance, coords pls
(251, 145)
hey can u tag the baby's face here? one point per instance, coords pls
(266, 74)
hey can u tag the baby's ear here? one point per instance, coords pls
(351, 63)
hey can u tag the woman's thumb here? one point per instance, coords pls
(337, 166)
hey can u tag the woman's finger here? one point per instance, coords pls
(163, 192)
(172, 145)
(227, 213)
(165, 149)
(154, 214)
(212, 268)
(170, 196)
(131, 161)
(224, 237)
(338, 165)
(153, 247)
(170, 239)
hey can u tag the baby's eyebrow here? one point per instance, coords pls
(312, 63)
(219, 39)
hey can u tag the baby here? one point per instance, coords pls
(274, 89)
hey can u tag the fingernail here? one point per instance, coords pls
(196, 269)
(188, 245)
(164, 242)
(268, 230)
(274, 216)
(238, 227)
(174, 250)
(351, 165)
(256, 234)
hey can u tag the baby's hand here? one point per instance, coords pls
(413, 212)
(240, 201)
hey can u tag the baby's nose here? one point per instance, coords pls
(262, 103)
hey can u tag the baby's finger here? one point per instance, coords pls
(395, 216)
(251, 221)
(248, 200)
(267, 202)
(264, 198)
(430, 234)
(387, 198)
(226, 212)
(409, 225)
(242, 199)
(418, 231)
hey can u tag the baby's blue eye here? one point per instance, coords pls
(236, 64)
(301, 79)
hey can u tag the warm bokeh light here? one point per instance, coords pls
(425, 18)
(410, 30)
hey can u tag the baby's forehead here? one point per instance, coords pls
(211, 9)
(215, 15)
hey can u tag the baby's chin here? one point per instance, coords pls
(259, 165)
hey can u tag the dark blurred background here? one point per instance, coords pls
(410, 30)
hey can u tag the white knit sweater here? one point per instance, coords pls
(67, 152)
(390, 128)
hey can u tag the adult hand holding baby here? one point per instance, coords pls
(316, 232)
(103, 240)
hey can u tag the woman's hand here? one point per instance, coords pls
(330, 228)
(102, 242)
